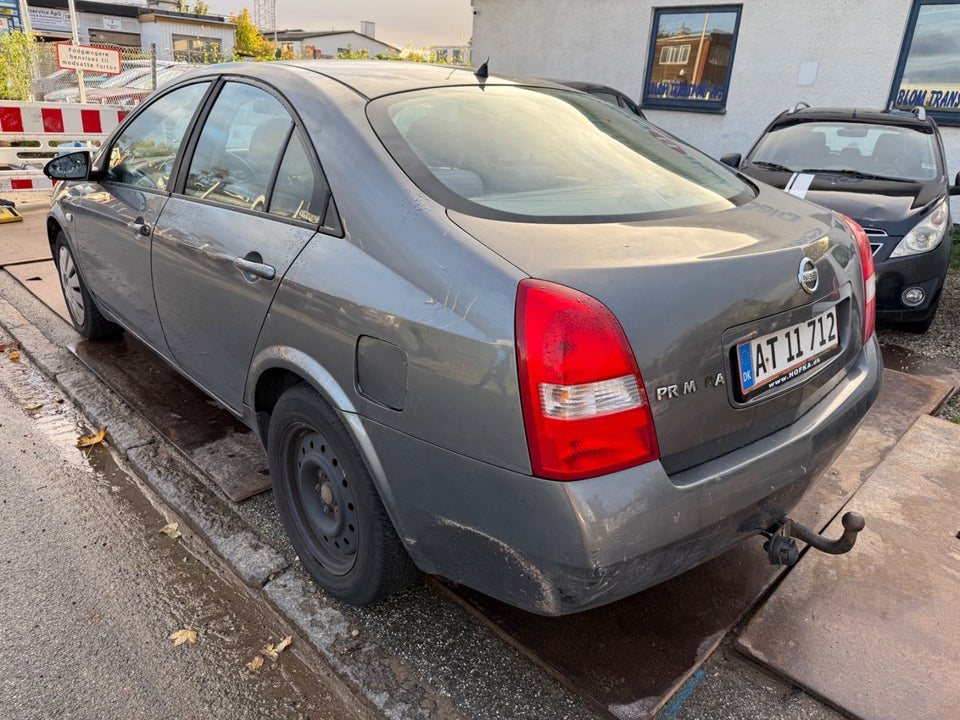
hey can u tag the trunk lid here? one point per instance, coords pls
(688, 291)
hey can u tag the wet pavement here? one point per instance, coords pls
(217, 442)
(92, 589)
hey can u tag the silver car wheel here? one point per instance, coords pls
(70, 279)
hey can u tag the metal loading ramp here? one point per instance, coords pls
(876, 634)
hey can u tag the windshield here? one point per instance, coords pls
(543, 153)
(886, 151)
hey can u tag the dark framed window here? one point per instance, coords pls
(928, 74)
(195, 49)
(691, 57)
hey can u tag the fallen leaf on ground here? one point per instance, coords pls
(172, 530)
(15, 345)
(182, 636)
(273, 651)
(33, 406)
(14, 355)
(256, 663)
(91, 440)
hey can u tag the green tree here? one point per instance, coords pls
(248, 40)
(200, 8)
(16, 65)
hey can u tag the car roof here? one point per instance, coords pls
(372, 78)
(877, 117)
(587, 86)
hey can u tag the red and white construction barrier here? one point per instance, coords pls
(24, 180)
(47, 127)
(45, 119)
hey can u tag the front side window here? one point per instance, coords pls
(251, 156)
(239, 147)
(536, 154)
(691, 57)
(884, 151)
(928, 74)
(144, 153)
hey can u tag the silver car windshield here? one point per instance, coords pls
(547, 153)
(884, 151)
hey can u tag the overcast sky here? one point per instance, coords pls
(398, 22)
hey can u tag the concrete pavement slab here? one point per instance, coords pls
(52, 359)
(902, 399)
(217, 442)
(249, 555)
(104, 408)
(875, 632)
(41, 279)
(25, 241)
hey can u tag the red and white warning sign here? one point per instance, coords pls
(49, 130)
(88, 59)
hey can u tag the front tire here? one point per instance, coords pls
(83, 310)
(329, 505)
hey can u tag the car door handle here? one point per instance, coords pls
(139, 227)
(257, 269)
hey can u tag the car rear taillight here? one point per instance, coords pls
(869, 276)
(584, 406)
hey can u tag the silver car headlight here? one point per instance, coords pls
(926, 234)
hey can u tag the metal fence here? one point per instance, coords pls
(52, 84)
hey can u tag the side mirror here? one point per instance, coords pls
(955, 188)
(731, 159)
(73, 166)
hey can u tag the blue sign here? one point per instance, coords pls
(10, 16)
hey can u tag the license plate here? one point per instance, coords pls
(771, 360)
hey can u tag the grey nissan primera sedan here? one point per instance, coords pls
(496, 330)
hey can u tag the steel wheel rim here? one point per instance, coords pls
(70, 281)
(323, 502)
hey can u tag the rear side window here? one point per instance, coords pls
(143, 155)
(298, 193)
(544, 155)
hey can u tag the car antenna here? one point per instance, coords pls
(482, 71)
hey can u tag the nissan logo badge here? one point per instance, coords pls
(808, 276)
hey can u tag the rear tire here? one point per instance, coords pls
(83, 310)
(329, 505)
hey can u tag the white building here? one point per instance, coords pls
(178, 36)
(715, 74)
(330, 43)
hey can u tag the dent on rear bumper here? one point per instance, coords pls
(555, 548)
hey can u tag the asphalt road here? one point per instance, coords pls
(91, 590)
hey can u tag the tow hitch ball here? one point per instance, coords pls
(782, 548)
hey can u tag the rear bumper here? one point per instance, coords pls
(555, 548)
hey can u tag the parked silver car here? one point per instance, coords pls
(494, 330)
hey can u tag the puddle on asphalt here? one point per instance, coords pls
(180, 580)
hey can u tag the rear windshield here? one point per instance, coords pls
(547, 155)
(898, 153)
